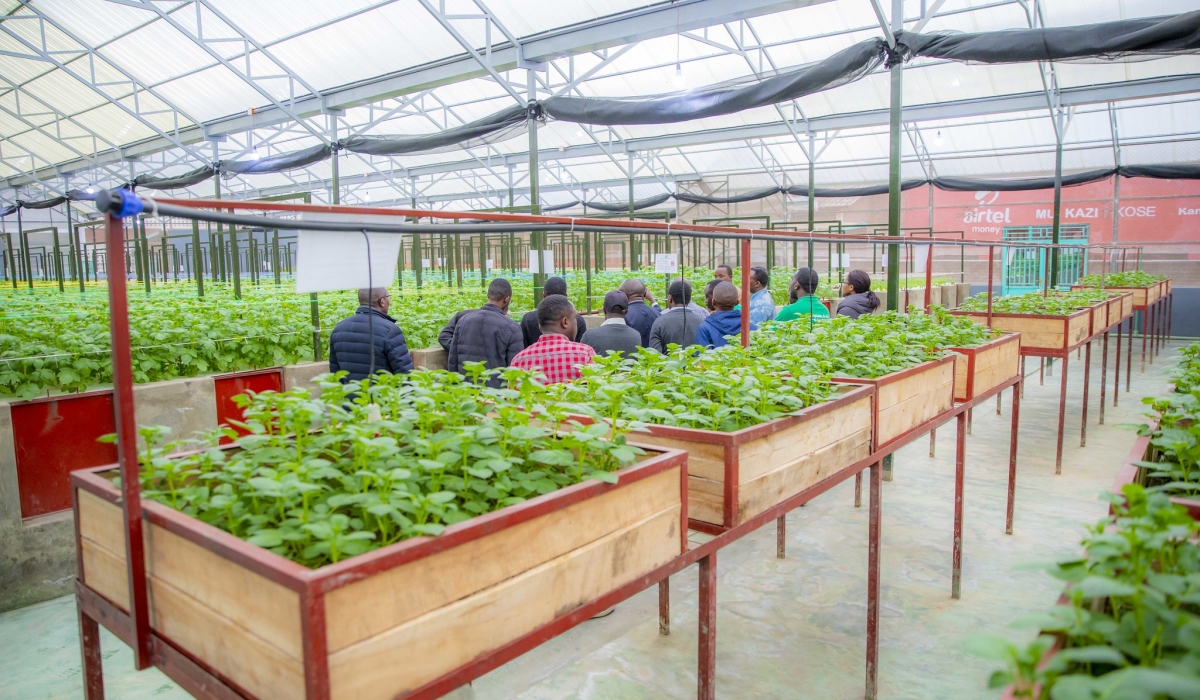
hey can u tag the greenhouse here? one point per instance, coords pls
(700, 348)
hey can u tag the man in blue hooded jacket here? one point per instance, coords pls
(724, 320)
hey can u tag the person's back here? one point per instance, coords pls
(531, 329)
(369, 340)
(486, 334)
(804, 286)
(614, 335)
(859, 299)
(723, 321)
(554, 354)
(677, 325)
(762, 306)
(641, 316)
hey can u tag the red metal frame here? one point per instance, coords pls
(227, 386)
(971, 354)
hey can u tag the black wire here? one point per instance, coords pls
(370, 316)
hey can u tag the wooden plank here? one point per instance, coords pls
(789, 479)
(704, 459)
(105, 572)
(1078, 329)
(706, 500)
(412, 654)
(771, 452)
(244, 658)
(891, 393)
(995, 375)
(253, 603)
(901, 417)
(962, 366)
(391, 598)
(102, 522)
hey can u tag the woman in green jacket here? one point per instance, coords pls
(805, 301)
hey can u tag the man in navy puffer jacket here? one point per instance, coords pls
(349, 346)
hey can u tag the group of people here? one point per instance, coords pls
(554, 338)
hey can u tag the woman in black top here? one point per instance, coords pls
(859, 297)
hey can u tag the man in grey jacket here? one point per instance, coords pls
(485, 334)
(677, 325)
(614, 335)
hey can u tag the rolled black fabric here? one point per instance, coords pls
(187, 179)
(1182, 171)
(504, 124)
(10, 209)
(693, 198)
(278, 163)
(843, 67)
(1146, 36)
(967, 184)
(560, 207)
(81, 195)
(802, 191)
(44, 204)
(637, 203)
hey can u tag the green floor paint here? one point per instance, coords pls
(792, 628)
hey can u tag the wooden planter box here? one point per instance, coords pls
(1142, 296)
(908, 398)
(1131, 473)
(1120, 307)
(1040, 332)
(984, 367)
(388, 622)
(733, 476)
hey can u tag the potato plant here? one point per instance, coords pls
(1133, 278)
(1056, 304)
(320, 479)
(1131, 625)
(1173, 464)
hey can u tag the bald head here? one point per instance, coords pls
(724, 296)
(634, 289)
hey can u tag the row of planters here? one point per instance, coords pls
(1058, 321)
(1128, 623)
(528, 504)
(1146, 288)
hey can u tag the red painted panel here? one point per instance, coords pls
(54, 437)
(230, 385)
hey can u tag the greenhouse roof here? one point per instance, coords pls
(97, 92)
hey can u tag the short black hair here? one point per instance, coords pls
(499, 289)
(553, 309)
(555, 285)
(680, 292)
(727, 269)
(760, 275)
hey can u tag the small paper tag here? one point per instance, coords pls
(374, 415)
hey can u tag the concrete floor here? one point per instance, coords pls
(791, 628)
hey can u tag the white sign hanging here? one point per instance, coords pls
(666, 263)
(335, 260)
(920, 254)
(535, 262)
(489, 263)
(425, 262)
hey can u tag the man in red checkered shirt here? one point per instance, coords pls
(554, 353)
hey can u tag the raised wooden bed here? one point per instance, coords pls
(910, 397)
(1040, 332)
(1131, 473)
(394, 620)
(984, 367)
(733, 476)
(1120, 307)
(1142, 296)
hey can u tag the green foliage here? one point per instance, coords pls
(867, 347)
(320, 479)
(1055, 304)
(724, 389)
(1133, 278)
(1173, 462)
(1130, 626)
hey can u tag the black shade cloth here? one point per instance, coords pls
(967, 184)
(843, 67)
(10, 209)
(1156, 36)
(560, 207)
(187, 179)
(866, 191)
(81, 195)
(693, 198)
(44, 204)
(637, 203)
(1182, 171)
(277, 163)
(502, 125)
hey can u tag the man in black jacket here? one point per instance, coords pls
(485, 334)
(677, 324)
(613, 335)
(641, 316)
(531, 330)
(352, 339)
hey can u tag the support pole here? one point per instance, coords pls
(707, 668)
(535, 201)
(894, 206)
(1012, 451)
(25, 249)
(1117, 366)
(1087, 370)
(1062, 414)
(781, 537)
(122, 368)
(745, 292)
(1056, 231)
(960, 461)
(874, 542)
(58, 271)
(1103, 373)
(93, 661)
(77, 247)
(664, 606)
